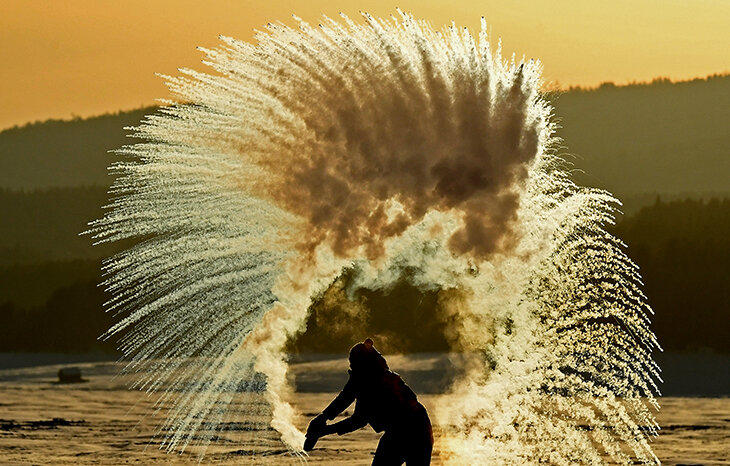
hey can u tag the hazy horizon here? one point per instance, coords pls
(550, 88)
(86, 58)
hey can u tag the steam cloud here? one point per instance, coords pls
(379, 147)
(382, 148)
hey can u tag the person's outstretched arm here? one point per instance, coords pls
(350, 424)
(318, 426)
(314, 433)
(341, 401)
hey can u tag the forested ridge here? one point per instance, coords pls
(662, 148)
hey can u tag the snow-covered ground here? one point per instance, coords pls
(100, 421)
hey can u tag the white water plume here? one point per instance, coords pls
(379, 147)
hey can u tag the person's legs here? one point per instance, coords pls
(420, 442)
(411, 442)
(391, 450)
(419, 454)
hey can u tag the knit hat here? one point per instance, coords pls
(364, 357)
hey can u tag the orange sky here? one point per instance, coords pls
(84, 57)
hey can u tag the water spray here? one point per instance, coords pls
(378, 147)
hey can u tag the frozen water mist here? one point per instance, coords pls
(382, 147)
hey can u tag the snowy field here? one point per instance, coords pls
(100, 421)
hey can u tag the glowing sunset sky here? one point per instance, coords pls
(85, 57)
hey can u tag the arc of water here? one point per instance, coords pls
(383, 147)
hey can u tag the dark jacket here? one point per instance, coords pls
(383, 400)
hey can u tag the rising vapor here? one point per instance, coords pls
(381, 148)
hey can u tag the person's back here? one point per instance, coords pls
(384, 401)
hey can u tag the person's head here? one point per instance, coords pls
(365, 358)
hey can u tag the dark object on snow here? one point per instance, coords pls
(385, 402)
(70, 375)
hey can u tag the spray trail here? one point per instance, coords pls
(379, 147)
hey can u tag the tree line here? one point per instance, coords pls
(682, 249)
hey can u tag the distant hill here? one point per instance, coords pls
(45, 224)
(683, 248)
(636, 141)
(63, 153)
(663, 137)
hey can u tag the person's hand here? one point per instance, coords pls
(317, 423)
(317, 428)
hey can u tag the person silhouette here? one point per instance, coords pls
(383, 400)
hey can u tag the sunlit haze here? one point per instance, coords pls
(85, 57)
